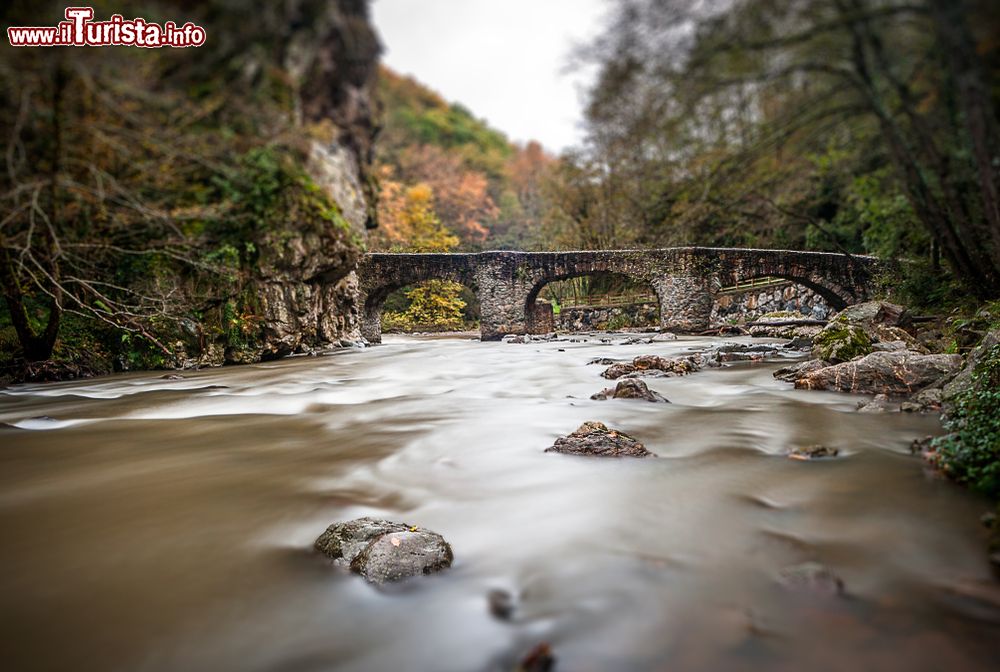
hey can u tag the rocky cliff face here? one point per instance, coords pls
(305, 280)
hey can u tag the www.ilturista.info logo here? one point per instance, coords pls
(80, 30)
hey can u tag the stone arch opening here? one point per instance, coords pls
(597, 300)
(376, 300)
(755, 297)
(435, 305)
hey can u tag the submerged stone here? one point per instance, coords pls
(384, 551)
(594, 438)
(811, 577)
(880, 404)
(812, 453)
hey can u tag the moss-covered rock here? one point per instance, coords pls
(841, 342)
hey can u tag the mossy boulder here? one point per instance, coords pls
(841, 342)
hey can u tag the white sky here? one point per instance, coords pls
(505, 60)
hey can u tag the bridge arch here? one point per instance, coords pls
(840, 279)
(537, 322)
(381, 275)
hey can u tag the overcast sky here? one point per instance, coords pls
(503, 59)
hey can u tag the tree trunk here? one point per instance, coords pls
(981, 127)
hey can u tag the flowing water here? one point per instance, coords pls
(153, 524)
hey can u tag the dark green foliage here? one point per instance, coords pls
(970, 453)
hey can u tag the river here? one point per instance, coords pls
(154, 524)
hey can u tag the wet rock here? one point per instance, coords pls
(811, 577)
(889, 337)
(795, 371)
(873, 313)
(841, 342)
(539, 659)
(171, 376)
(384, 551)
(400, 555)
(513, 339)
(594, 438)
(643, 364)
(663, 337)
(962, 382)
(800, 343)
(739, 352)
(501, 603)
(630, 388)
(880, 404)
(925, 401)
(892, 373)
(816, 452)
(603, 361)
(617, 370)
(889, 346)
(922, 446)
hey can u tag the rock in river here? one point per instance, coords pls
(811, 577)
(383, 551)
(630, 388)
(652, 365)
(594, 438)
(893, 373)
(795, 371)
(816, 452)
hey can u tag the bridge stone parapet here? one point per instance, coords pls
(685, 279)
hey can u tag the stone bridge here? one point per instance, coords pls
(685, 279)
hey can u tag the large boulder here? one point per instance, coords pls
(798, 370)
(383, 551)
(893, 373)
(873, 313)
(595, 439)
(630, 388)
(963, 381)
(862, 328)
(841, 342)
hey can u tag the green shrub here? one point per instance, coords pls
(619, 321)
(970, 453)
(435, 305)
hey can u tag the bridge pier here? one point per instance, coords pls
(685, 302)
(371, 321)
(503, 295)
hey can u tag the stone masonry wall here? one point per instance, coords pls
(586, 318)
(750, 304)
